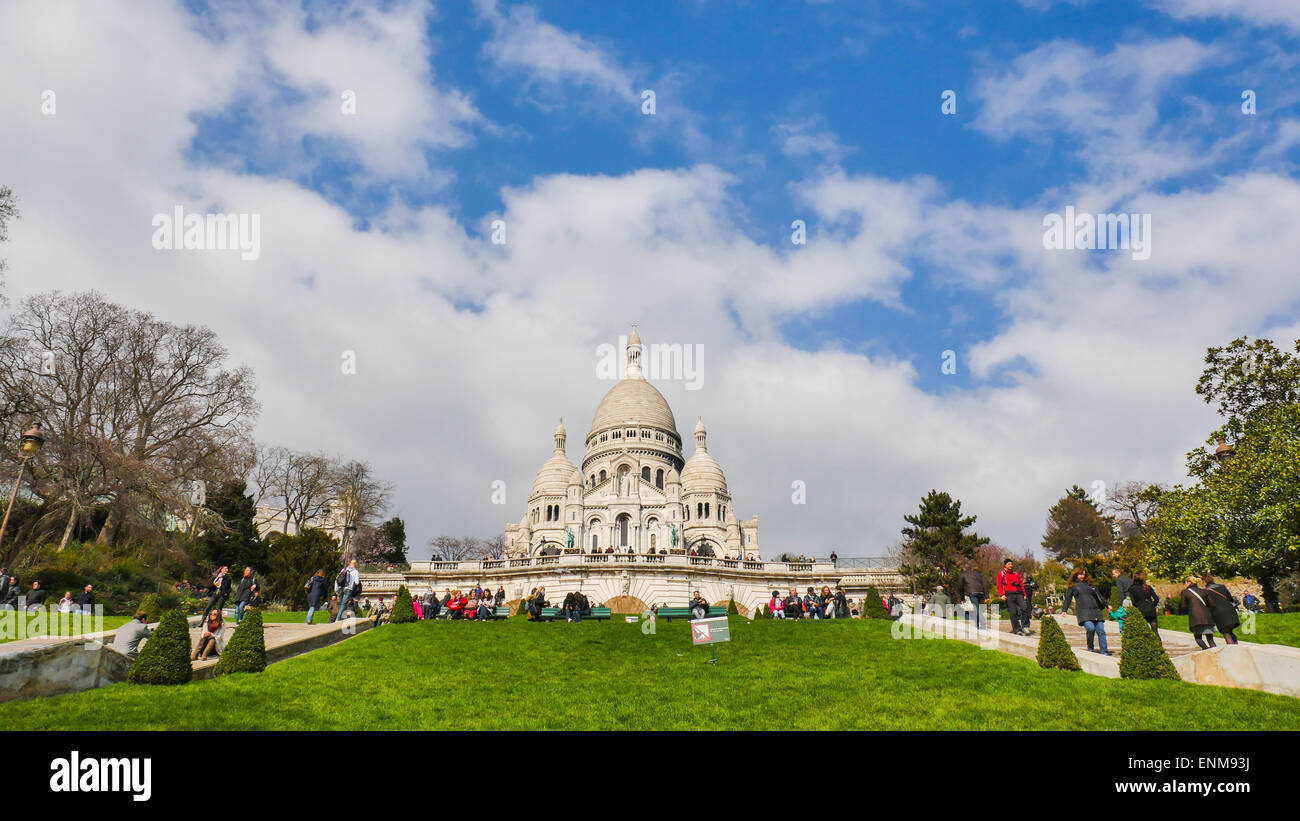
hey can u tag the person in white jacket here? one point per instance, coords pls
(352, 579)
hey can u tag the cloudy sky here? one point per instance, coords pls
(378, 143)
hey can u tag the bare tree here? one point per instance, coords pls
(452, 549)
(360, 497)
(1134, 504)
(298, 486)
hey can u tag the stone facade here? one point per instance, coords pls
(634, 492)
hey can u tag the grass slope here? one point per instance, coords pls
(1270, 628)
(772, 675)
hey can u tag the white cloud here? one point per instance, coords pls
(1257, 12)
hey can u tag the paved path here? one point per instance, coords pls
(1176, 643)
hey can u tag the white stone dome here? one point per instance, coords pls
(634, 402)
(554, 475)
(703, 474)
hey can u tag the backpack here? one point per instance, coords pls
(341, 579)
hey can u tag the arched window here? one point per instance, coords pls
(593, 480)
(645, 474)
(595, 541)
(659, 479)
(652, 543)
(602, 476)
(706, 510)
(699, 510)
(622, 530)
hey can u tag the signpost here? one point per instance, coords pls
(710, 632)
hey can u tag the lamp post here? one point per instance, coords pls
(29, 445)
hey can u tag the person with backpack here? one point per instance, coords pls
(1223, 608)
(348, 585)
(316, 587)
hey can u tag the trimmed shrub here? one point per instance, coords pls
(762, 613)
(873, 607)
(731, 608)
(165, 657)
(1141, 654)
(1053, 650)
(403, 609)
(153, 606)
(246, 652)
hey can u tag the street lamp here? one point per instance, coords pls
(1222, 452)
(29, 445)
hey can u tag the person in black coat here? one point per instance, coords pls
(1196, 604)
(1146, 600)
(317, 586)
(220, 591)
(86, 599)
(36, 597)
(1090, 608)
(244, 594)
(1223, 608)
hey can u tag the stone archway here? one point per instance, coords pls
(630, 605)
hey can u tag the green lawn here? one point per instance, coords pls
(1270, 628)
(72, 627)
(773, 675)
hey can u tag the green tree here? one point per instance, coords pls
(872, 606)
(1243, 517)
(1142, 655)
(153, 606)
(246, 652)
(1075, 530)
(1242, 378)
(393, 534)
(291, 560)
(403, 609)
(1053, 649)
(165, 657)
(937, 544)
(230, 537)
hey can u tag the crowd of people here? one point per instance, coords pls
(811, 605)
(36, 597)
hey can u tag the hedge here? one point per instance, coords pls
(1141, 654)
(165, 657)
(1053, 650)
(246, 651)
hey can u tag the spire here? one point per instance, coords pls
(700, 434)
(559, 436)
(634, 354)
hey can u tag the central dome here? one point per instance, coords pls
(633, 401)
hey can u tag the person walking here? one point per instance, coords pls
(939, 602)
(1146, 600)
(244, 594)
(1122, 582)
(1012, 587)
(220, 590)
(1200, 621)
(972, 587)
(316, 588)
(1223, 607)
(1089, 609)
(348, 585)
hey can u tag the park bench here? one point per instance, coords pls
(670, 613)
(553, 613)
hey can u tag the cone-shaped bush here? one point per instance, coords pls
(153, 606)
(731, 608)
(762, 612)
(873, 607)
(165, 657)
(403, 609)
(246, 652)
(1142, 655)
(1053, 649)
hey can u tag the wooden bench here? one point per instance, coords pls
(553, 613)
(670, 613)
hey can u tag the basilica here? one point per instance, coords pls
(634, 492)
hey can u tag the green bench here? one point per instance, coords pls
(670, 613)
(553, 613)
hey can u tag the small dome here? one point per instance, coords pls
(575, 478)
(554, 475)
(559, 429)
(703, 474)
(699, 426)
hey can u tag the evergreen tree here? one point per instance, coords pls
(235, 540)
(937, 542)
(393, 533)
(1053, 648)
(153, 606)
(872, 606)
(246, 652)
(762, 613)
(403, 609)
(165, 657)
(1142, 655)
(1076, 530)
(731, 608)
(291, 560)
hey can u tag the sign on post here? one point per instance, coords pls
(710, 631)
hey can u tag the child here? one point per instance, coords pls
(1118, 615)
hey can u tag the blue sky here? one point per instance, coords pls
(924, 230)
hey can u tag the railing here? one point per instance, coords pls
(521, 562)
(493, 564)
(866, 562)
(467, 567)
(548, 559)
(595, 557)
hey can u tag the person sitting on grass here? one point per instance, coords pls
(210, 643)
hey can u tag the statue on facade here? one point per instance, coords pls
(673, 530)
(568, 538)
